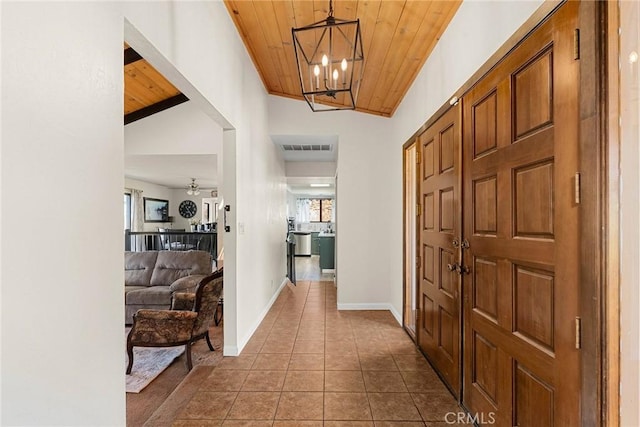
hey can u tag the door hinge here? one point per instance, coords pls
(578, 333)
(418, 157)
(418, 209)
(576, 43)
(576, 189)
(418, 261)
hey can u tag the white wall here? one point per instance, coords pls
(310, 169)
(183, 129)
(61, 279)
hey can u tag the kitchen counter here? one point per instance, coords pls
(325, 234)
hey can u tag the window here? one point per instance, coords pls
(321, 210)
(127, 211)
(314, 210)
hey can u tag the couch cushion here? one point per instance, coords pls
(172, 265)
(187, 284)
(128, 289)
(157, 295)
(138, 267)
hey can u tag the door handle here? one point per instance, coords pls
(460, 269)
(453, 267)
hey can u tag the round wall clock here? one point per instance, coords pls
(187, 209)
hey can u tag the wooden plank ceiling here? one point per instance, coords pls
(398, 36)
(146, 91)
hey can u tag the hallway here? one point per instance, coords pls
(308, 364)
(308, 269)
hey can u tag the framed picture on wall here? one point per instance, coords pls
(156, 210)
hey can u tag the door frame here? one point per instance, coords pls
(610, 142)
(405, 226)
(599, 173)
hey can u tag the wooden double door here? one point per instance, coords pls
(498, 236)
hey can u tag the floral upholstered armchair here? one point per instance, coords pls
(188, 320)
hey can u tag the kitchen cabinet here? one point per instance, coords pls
(315, 244)
(327, 251)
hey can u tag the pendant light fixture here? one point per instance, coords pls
(193, 189)
(330, 62)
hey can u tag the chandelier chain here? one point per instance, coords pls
(330, 7)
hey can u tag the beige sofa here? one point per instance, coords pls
(151, 277)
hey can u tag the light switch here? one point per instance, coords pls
(241, 228)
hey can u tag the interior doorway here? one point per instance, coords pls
(225, 174)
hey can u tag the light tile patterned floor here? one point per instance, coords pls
(310, 365)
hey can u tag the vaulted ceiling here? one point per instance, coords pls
(397, 36)
(146, 91)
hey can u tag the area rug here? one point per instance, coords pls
(148, 363)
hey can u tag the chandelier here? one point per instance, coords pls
(330, 62)
(193, 189)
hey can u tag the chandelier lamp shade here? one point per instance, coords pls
(193, 189)
(330, 62)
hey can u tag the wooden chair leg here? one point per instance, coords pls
(209, 341)
(130, 353)
(187, 349)
(220, 308)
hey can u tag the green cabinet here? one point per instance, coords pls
(327, 252)
(315, 244)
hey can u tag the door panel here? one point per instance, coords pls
(440, 224)
(521, 294)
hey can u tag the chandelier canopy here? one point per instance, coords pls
(193, 189)
(330, 62)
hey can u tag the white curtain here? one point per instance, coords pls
(137, 219)
(333, 211)
(303, 210)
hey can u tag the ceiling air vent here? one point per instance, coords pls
(307, 147)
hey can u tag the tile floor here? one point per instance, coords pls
(310, 365)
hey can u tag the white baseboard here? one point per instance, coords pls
(230, 350)
(395, 313)
(372, 306)
(259, 320)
